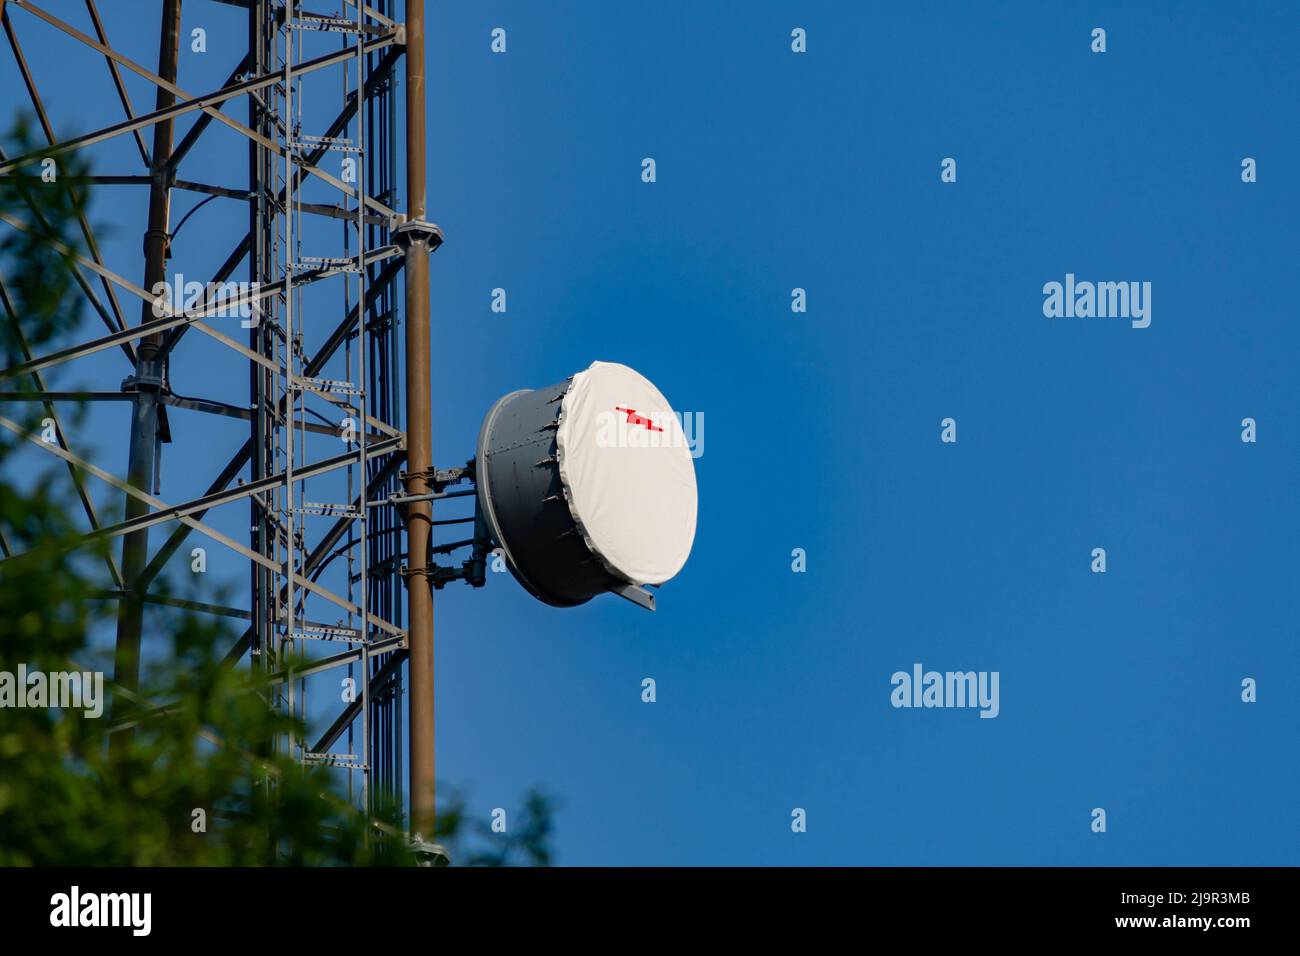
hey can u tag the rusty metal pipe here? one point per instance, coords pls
(419, 439)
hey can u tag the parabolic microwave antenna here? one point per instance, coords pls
(588, 486)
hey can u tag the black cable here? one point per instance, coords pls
(196, 208)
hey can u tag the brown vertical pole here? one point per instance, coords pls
(148, 377)
(419, 596)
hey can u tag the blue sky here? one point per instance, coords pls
(822, 430)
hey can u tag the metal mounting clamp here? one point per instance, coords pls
(636, 594)
(417, 230)
(428, 853)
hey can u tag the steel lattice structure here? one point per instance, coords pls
(335, 471)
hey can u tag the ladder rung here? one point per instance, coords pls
(333, 385)
(334, 143)
(332, 25)
(326, 509)
(312, 263)
(334, 760)
(321, 633)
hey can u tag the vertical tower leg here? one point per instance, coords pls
(148, 378)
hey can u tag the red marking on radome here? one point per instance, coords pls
(634, 419)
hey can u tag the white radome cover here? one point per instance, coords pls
(631, 490)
